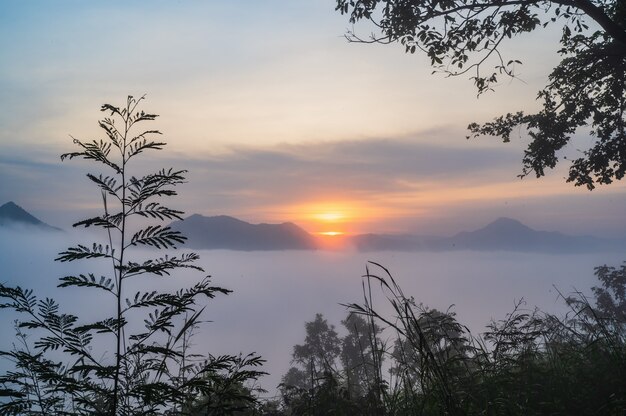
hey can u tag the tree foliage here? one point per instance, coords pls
(335, 374)
(586, 92)
(63, 364)
(528, 363)
(360, 355)
(321, 347)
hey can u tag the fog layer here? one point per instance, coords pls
(275, 293)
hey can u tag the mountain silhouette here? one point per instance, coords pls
(502, 234)
(512, 235)
(224, 232)
(12, 215)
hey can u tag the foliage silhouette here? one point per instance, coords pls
(61, 366)
(529, 363)
(333, 374)
(587, 88)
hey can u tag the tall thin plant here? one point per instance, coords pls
(151, 371)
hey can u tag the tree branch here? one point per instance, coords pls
(612, 28)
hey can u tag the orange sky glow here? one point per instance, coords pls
(336, 138)
(332, 219)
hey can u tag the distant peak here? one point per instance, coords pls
(11, 204)
(11, 213)
(206, 216)
(507, 221)
(200, 217)
(507, 224)
(229, 219)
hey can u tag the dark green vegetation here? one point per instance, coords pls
(586, 92)
(420, 361)
(134, 359)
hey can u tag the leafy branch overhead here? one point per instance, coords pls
(586, 92)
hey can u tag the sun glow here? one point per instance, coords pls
(336, 213)
(332, 240)
(330, 216)
(331, 220)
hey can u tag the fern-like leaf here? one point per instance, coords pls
(139, 144)
(162, 266)
(158, 211)
(157, 236)
(94, 150)
(89, 280)
(83, 252)
(106, 183)
(105, 221)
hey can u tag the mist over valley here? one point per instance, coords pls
(276, 291)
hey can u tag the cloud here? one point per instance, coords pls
(352, 168)
(394, 184)
(422, 183)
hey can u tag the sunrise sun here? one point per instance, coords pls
(331, 233)
(333, 216)
(331, 220)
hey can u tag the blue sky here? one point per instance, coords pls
(274, 113)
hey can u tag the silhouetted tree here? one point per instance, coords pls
(587, 88)
(611, 295)
(62, 366)
(608, 311)
(335, 375)
(361, 355)
(317, 357)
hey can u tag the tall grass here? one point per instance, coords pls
(528, 363)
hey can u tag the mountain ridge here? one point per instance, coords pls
(225, 232)
(12, 215)
(502, 234)
(230, 233)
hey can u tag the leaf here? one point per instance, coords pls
(162, 266)
(136, 147)
(156, 210)
(189, 323)
(149, 299)
(83, 252)
(157, 236)
(88, 280)
(95, 150)
(106, 183)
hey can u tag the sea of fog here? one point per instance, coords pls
(275, 293)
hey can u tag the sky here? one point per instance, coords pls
(277, 118)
